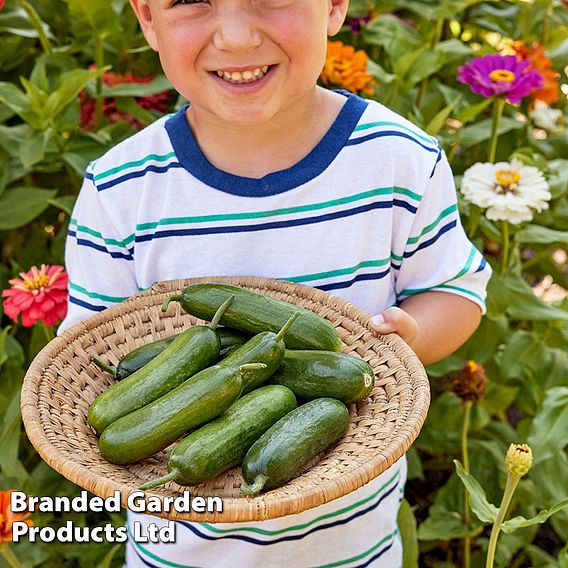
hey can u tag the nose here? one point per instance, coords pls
(237, 28)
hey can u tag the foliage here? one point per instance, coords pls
(52, 64)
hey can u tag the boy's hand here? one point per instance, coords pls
(395, 320)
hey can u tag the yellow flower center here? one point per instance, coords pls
(502, 75)
(37, 284)
(507, 180)
(472, 366)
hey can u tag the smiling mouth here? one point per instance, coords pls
(248, 76)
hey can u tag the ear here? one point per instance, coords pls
(337, 14)
(144, 14)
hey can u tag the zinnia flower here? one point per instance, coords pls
(40, 295)
(1, 4)
(500, 75)
(549, 119)
(159, 102)
(509, 191)
(346, 68)
(8, 518)
(469, 382)
(518, 460)
(550, 91)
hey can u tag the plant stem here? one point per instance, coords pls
(436, 36)
(9, 556)
(546, 23)
(504, 247)
(510, 487)
(498, 107)
(38, 26)
(48, 333)
(465, 459)
(99, 62)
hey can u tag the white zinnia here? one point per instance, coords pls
(549, 119)
(509, 191)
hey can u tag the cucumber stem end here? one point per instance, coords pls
(287, 325)
(256, 486)
(166, 302)
(104, 366)
(160, 481)
(220, 311)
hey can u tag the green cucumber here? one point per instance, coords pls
(138, 357)
(316, 374)
(194, 349)
(253, 313)
(224, 442)
(279, 454)
(153, 427)
(265, 347)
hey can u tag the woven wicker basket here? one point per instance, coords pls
(62, 382)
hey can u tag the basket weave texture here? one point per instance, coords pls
(62, 382)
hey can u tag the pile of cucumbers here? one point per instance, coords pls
(233, 391)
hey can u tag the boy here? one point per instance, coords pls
(266, 174)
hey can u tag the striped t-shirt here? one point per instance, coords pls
(369, 215)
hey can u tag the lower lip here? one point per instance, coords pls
(245, 88)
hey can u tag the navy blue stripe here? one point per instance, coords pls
(380, 553)
(83, 304)
(438, 159)
(266, 226)
(90, 244)
(289, 538)
(358, 278)
(89, 176)
(396, 266)
(431, 241)
(139, 173)
(385, 133)
(482, 265)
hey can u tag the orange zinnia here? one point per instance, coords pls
(347, 69)
(550, 92)
(7, 518)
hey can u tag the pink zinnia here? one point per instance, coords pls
(40, 295)
(496, 75)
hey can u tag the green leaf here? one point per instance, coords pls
(21, 205)
(520, 522)
(10, 442)
(536, 234)
(408, 535)
(548, 431)
(486, 512)
(33, 147)
(158, 85)
(481, 131)
(439, 121)
(65, 203)
(16, 100)
(471, 112)
(94, 18)
(70, 84)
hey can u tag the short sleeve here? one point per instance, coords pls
(437, 255)
(99, 257)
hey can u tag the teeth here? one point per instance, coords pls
(247, 76)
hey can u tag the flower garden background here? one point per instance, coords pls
(489, 80)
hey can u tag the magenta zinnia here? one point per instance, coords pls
(496, 75)
(40, 295)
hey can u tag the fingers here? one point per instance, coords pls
(395, 320)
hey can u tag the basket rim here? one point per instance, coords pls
(262, 506)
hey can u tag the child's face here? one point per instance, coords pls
(269, 53)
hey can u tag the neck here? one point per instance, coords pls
(279, 143)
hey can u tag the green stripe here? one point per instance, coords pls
(413, 240)
(468, 292)
(362, 555)
(142, 161)
(368, 125)
(107, 241)
(338, 272)
(356, 505)
(153, 556)
(432, 225)
(84, 291)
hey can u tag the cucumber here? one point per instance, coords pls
(253, 313)
(153, 427)
(265, 347)
(194, 349)
(224, 442)
(138, 357)
(292, 442)
(316, 374)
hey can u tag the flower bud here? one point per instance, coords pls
(469, 382)
(518, 459)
